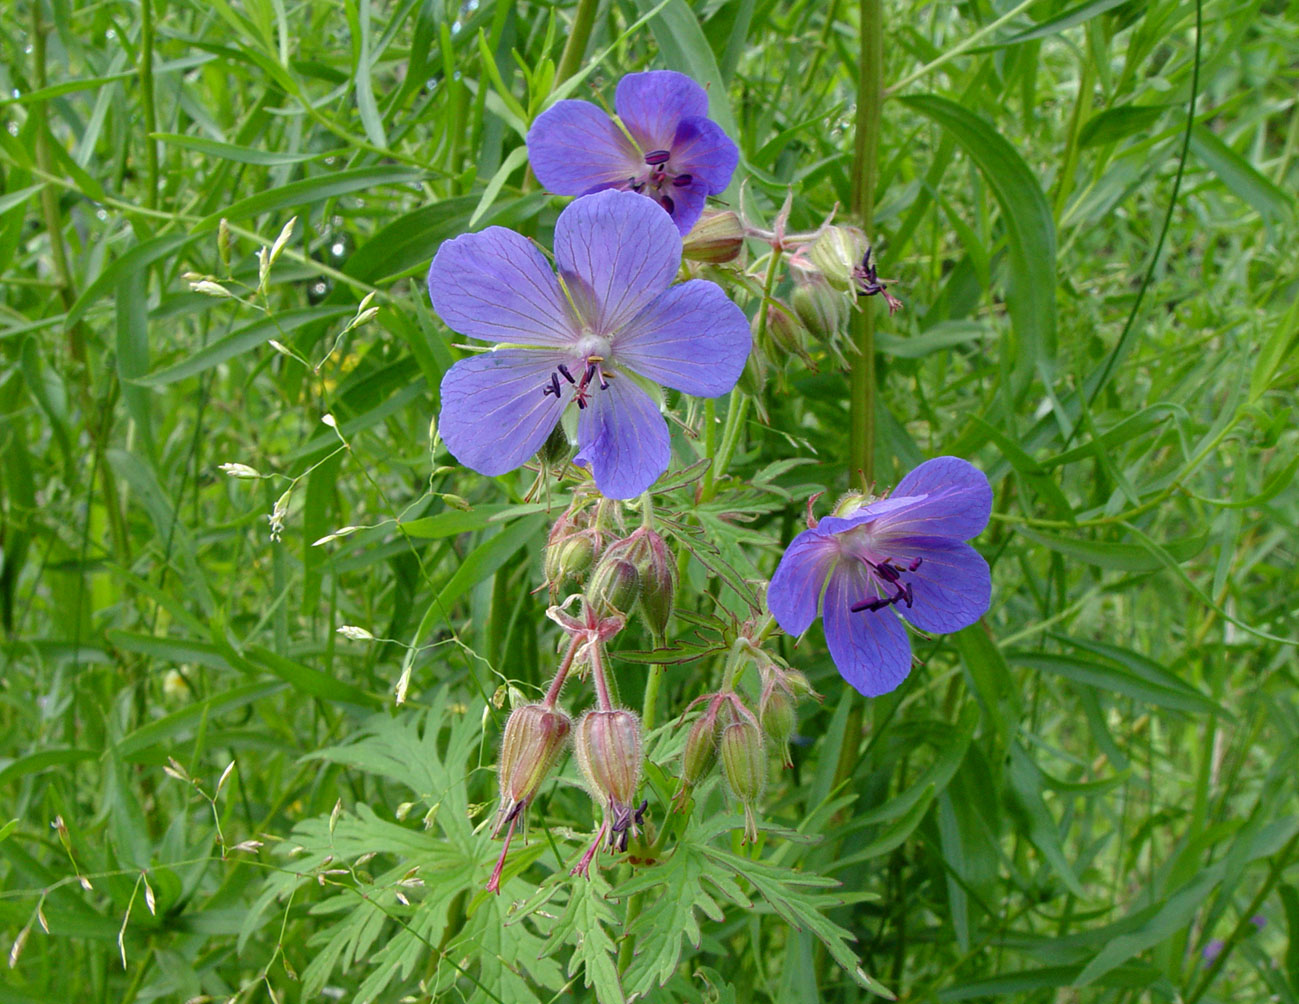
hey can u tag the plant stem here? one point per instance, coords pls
(561, 674)
(870, 97)
(578, 36)
(146, 96)
(597, 674)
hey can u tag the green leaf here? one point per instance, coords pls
(137, 259)
(1030, 231)
(237, 342)
(239, 154)
(586, 922)
(1114, 556)
(33, 763)
(309, 191)
(1241, 178)
(455, 521)
(1119, 122)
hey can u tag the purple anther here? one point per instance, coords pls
(590, 372)
(886, 572)
(657, 157)
(908, 595)
(667, 203)
(915, 564)
(681, 180)
(563, 371)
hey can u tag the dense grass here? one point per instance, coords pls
(1090, 795)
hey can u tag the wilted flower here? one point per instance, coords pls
(904, 554)
(667, 148)
(612, 311)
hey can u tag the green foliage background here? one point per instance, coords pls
(1069, 801)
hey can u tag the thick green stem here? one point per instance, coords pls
(146, 95)
(578, 36)
(870, 97)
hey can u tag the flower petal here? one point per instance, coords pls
(494, 415)
(870, 647)
(496, 286)
(617, 252)
(795, 589)
(687, 203)
(957, 503)
(574, 147)
(702, 150)
(651, 104)
(951, 588)
(691, 338)
(624, 439)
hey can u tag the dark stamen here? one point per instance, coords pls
(590, 372)
(635, 185)
(667, 203)
(681, 180)
(915, 564)
(886, 572)
(554, 384)
(563, 371)
(656, 157)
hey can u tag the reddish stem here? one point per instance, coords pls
(494, 883)
(561, 674)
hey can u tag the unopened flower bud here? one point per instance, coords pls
(716, 238)
(608, 745)
(787, 334)
(754, 376)
(777, 713)
(700, 752)
(657, 569)
(822, 310)
(744, 765)
(836, 253)
(534, 738)
(224, 242)
(614, 586)
(555, 449)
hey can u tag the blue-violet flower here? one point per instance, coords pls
(874, 559)
(667, 148)
(611, 320)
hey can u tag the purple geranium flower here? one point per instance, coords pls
(610, 322)
(675, 154)
(905, 554)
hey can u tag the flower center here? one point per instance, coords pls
(659, 179)
(885, 571)
(592, 358)
(888, 574)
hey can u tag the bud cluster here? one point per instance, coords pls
(637, 572)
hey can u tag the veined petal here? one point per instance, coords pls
(496, 286)
(617, 252)
(951, 588)
(574, 147)
(702, 150)
(872, 513)
(957, 501)
(687, 203)
(691, 338)
(870, 647)
(795, 589)
(624, 439)
(651, 104)
(494, 414)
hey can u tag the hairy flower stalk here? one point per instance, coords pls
(535, 736)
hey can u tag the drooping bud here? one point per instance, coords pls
(754, 376)
(608, 745)
(224, 242)
(778, 715)
(744, 765)
(786, 332)
(614, 586)
(700, 752)
(837, 252)
(657, 570)
(716, 238)
(822, 310)
(534, 738)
